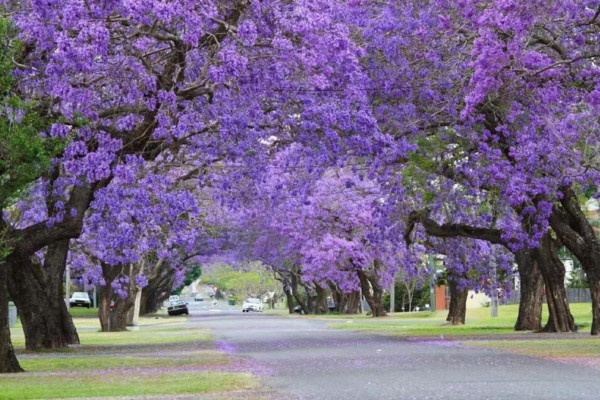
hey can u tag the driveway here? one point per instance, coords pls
(301, 358)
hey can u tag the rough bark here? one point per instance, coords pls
(574, 230)
(372, 291)
(160, 283)
(553, 273)
(320, 300)
(156, 292)
(345, 303)
(114, 319)
(352, 301)
(289, 299)
(8, 360)
(457, 311)
(311, 299)
(532, 291)
(134, 313)
(595, 291)
(37, 291)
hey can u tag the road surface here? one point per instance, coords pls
(303, 359)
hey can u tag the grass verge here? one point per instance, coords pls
(164, 360)
(57, 386)
(575, 347)
(148, 336)
(479, 322)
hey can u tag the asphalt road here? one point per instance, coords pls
(303, 359)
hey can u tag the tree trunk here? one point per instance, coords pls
(457, 311)
(373, 293)
(133, 315)
(8, 360)
(297, 296)
(104, 308)
(311, 298)
(289, 299)
(338, 297)
(38, 295)
(320, 300)
(345, 303)
(114, 319)
(595, 291)
(553, 273)
(352, 302)
(532, 291)
(575, 231)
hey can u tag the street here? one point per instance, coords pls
(303, 358)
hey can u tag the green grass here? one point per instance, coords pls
(159, 335)
(78, 312)
(75, 363)
(27, 386)
(547, 348)
(159, 360)
(479, 322)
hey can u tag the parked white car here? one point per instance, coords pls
(81, 299)
(174, 298)
(252, 304)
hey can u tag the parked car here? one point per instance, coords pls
(173, 298)
(198, 297)
(178, 307)
(252, 304)
(80, 299)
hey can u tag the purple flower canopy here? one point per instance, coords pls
(304, 134)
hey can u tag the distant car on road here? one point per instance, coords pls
(178, 307)
(198, 297)
(80, 299)
(252, 304)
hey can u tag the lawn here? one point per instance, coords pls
(479, 322)
(162, 359)
(107, 384)
(565, 347)
(155, 330)
(481, 330)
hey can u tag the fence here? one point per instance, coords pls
(574, 295)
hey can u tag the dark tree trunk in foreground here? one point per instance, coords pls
(8, 360)
(575, 231)
(553, 273)
(457, 311)
(595, 291)
(37, 292)
(372, 291)
(532, 291)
